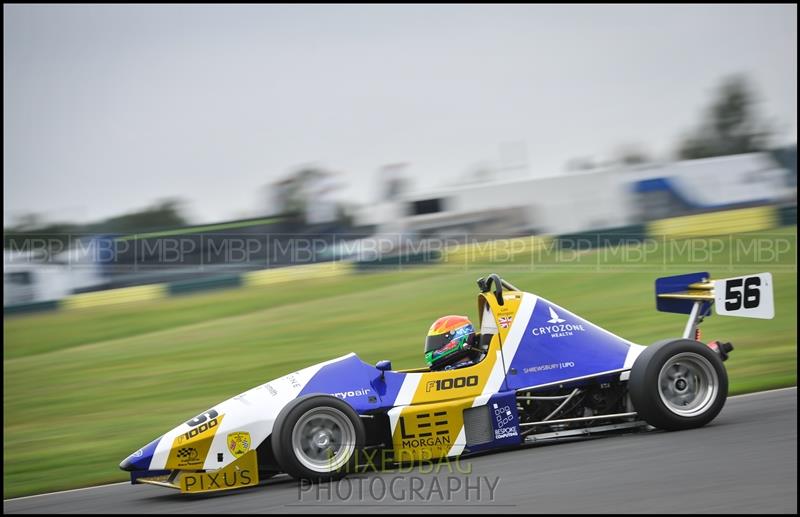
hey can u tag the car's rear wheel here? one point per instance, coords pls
(678, 384)
(317, 437)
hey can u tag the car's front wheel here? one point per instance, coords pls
(317, 437)
(678, 384)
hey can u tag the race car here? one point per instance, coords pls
(547, 374)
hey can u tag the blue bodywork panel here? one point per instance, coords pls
(357, 383)
(558, 345)
(676, 284)
(502, 408)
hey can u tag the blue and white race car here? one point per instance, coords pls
(546, 374)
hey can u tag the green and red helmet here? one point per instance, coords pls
(450, 339)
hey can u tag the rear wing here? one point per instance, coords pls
(747, 296)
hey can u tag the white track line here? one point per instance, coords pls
(128, 482)
(66, 491)
(763, 392)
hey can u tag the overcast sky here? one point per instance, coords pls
(107, 108)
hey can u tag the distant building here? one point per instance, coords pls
(586, 200)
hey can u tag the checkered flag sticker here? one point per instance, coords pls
(186, 452)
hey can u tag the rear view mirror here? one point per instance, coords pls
(384, 365)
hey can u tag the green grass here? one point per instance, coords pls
(84, 388)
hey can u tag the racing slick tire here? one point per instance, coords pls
(678, 384)
(317, 437)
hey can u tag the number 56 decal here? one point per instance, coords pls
(746, 296)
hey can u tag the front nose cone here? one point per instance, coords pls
(140, 460)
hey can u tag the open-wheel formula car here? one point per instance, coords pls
(546, 374)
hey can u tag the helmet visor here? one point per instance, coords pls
(448, 346)
(437, 341)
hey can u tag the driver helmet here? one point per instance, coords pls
(450, 339)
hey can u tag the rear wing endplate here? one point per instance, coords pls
(748, 296)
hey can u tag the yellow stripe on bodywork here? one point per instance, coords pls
(189, 450)
(241, 473)
(238, 474)
(111, 296)
(690, 295)
(429, 427)
(511, 303)
(429, 431)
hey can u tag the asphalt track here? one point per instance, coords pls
(743, 462)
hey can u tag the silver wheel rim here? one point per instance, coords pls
(688, 384)
(323, 439)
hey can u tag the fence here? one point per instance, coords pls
(700, 225)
